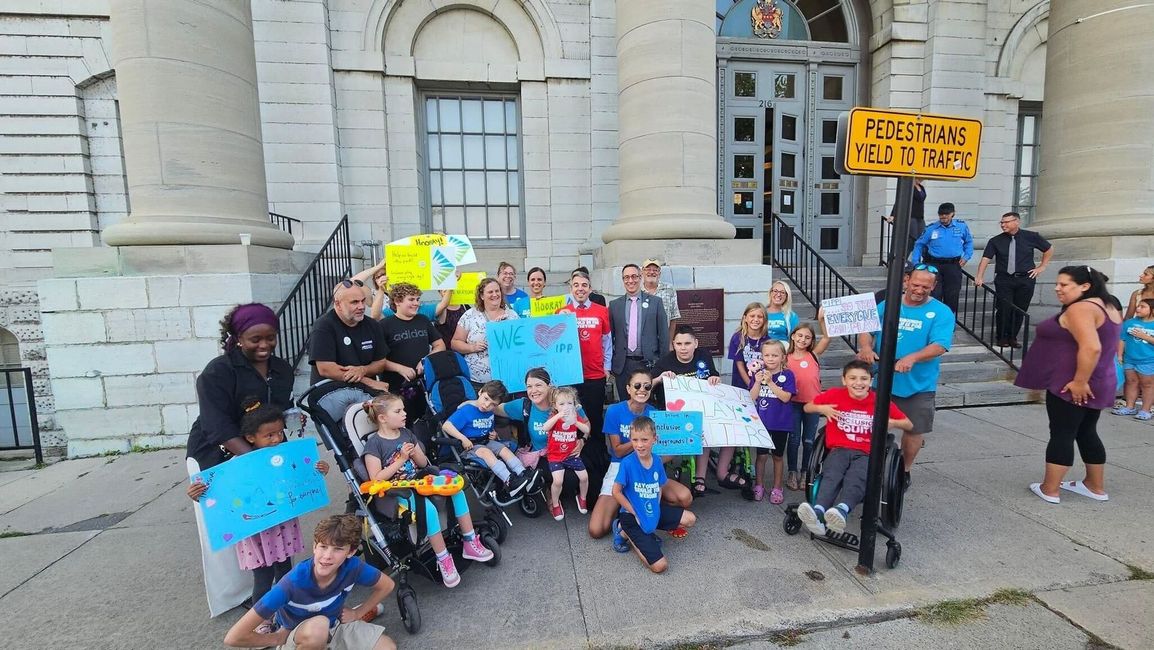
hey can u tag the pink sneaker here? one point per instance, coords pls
(758, 493)
(474, 550)
(582, 507)
(449, 571)
(776, 496)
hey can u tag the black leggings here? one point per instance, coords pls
(263, 578)
(1070, 423)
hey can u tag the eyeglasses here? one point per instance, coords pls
(642, 386)
(926, 267)
(349, 284)
(633, 276)
(780, 292)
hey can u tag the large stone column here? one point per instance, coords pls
(667, 122)
(190, 118)
(1096, 183)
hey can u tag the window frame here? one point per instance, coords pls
(1027, 109)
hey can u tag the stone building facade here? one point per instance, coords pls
(520, 122)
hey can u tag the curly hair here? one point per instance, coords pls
(402, 290)
(338, 530)
(226, 332)
(479, 297)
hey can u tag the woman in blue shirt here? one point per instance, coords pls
(539, 395)
(780, 318)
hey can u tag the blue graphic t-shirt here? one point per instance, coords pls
(538, 436)
(918, 327)
(618, 417)
(1137, 351)
(298, 597)
(519, 302)
(472, 422)
(642, 486)
(777, 327)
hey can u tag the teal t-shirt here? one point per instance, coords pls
(1137, 351)
(918, 327)
(777, 327)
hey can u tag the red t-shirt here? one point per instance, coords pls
(592, 324)
(562, 441)
(852, 431)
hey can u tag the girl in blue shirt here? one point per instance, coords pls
(779, 316)
(1137, 354)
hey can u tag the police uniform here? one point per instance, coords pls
(945, 247)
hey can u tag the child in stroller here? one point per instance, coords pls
(393, 453)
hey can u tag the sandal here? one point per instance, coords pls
(758, 493)
(698, 488)
(679, 533)
(732, 482)
(776, 496)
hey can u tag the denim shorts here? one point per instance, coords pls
(574, 463)
(1140, 368)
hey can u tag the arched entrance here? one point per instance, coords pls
(785, 71)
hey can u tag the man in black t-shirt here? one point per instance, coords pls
(349, 349)
(686, 360)
(411, 337)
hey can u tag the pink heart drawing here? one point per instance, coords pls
(308, 460)
(227, 537)
(208, 503)
(546, 336)
(676, 405)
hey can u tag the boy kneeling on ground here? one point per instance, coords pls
(850, 411)
(637, 489)
(308, 603)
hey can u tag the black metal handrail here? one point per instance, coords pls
(977, 309)
(311, 297)
(285, 223)
(25, 428)
(814, 278)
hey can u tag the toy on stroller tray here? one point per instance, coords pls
(446, 387)
(394, 542)
(892, 500)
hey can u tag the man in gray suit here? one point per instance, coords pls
(640, 328)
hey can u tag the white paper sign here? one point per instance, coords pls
(851, 315)
(728, 414)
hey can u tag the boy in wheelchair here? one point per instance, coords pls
(850, 411)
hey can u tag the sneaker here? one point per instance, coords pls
(449, 570)
(1124, 410)
(515, 485)
(557, 511)
(369, 617)
(758, 493)
(835, 520)
(582, 507)
(906, 482)
(474, 550)
(1142, 415)
(809, 517)
(619, 543)
(776, 496)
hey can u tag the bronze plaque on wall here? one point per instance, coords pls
(704, 311)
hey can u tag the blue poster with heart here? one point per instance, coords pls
(548, 342)
(258, 490)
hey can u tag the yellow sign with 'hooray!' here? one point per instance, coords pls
(891, 143)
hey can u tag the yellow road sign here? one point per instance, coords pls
(892, 143)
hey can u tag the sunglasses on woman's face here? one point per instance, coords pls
(349, 284)
(642, 386)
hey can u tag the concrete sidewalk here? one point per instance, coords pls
(111, 561)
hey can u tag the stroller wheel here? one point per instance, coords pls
(792, 523)
(531, 506)
(492, 545)
(410, 613)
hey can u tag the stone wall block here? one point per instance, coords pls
(178, 418)
(73, 327)
(100, 360)
(112, 293)
(163, 291)
(142, 390)
(80, 448)
(224, 289)
(147, 325)
(116, 423)
(79, 393)
(188, 355)
(58, 294)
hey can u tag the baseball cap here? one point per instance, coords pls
(651, 261)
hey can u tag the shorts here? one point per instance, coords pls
(668, 518)
(610, 477)
(1140, 368)
(357, 635)
(919, 408)
(494, 446)
(779, 439)
(574, 463)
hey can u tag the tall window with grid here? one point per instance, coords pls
(1029, 152)
(474, 159)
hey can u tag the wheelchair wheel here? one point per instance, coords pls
(893, 488)
(813, 470)
(893, 554)
(492, 545)
(410, 613)
(791, 524)
(531, 506)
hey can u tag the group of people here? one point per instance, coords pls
(373, 353)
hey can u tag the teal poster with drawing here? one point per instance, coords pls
(679, 433)
(258, 490)
(548, 342)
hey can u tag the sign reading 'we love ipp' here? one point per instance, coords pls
(729, 417)
(548, 342)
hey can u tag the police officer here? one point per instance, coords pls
(946, 245)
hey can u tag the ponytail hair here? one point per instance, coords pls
(256, 415)
(1083, 274)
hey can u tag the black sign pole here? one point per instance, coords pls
(899, 249)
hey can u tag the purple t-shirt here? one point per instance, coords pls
(750, 352)
(775, 414)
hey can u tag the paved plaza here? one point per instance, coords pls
(111, 561)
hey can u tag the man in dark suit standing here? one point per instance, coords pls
(640, 328)
(1014, 274)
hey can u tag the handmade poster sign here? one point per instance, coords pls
(851, 315)
(729, 418)
(548, 342)
(442, 269)
(461, 249)
(466, 291)
(678, 433)
(260, 489)
(407, 263)
(546, 306)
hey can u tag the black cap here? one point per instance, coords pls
(946, 208)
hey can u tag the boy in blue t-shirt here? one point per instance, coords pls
(637, 488)
(307, 605)
(472, 424)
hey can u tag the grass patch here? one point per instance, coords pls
(787, 638)
(13, 533)
(1138, 573)
(1018, 597)
(956, 612)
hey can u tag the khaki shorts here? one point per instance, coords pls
(919, 408)
(357, 635)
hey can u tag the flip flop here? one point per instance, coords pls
(1078, 487)
(1036, 488)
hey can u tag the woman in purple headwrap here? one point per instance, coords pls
(246, 371)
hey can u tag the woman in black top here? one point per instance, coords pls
(246, 371)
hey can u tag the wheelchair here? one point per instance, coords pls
(892, 500)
